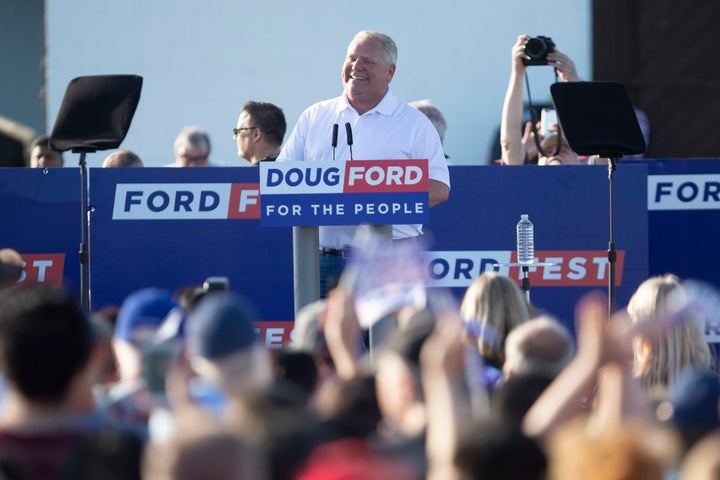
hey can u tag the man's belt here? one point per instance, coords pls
(344, 252)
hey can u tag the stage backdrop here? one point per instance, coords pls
(684, 218)
(569, 208)
(175, 227)
(40, 218)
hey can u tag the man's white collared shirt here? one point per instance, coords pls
(391, 130)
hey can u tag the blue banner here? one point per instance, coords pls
(41, 219)
(178, 226)
(175, 227)
(569, 207)
(684, 218)
(344, 209)
(376, 192)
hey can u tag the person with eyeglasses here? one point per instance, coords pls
(192, 148)
(259, 133)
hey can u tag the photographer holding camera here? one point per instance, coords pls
(518, 147)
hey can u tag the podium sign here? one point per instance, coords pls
(377, 192)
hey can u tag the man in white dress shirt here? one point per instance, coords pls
(383, 127)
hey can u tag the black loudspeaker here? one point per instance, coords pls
(96, 112)
(598, 118)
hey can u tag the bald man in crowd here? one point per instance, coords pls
(123, 158)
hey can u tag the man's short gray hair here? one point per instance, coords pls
(390, 51)
(433, 114)
(191, 136)
(540, 345)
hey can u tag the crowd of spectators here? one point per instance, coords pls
(175, 385)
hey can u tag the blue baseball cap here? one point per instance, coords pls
(142, 313)
(220, 325)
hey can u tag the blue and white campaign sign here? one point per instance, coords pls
(186, 201)
(684, 218)
(174, 227)
(684, 192)
(377, 192)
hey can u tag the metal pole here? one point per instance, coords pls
(386, 232)
(612, 253)
(526, 282)
(84, 253)
(306, 266)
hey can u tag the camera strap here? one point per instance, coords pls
(534, 121)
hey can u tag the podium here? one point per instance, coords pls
(307, 195)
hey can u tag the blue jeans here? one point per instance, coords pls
(331, 267)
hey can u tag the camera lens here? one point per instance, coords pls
(535, 48)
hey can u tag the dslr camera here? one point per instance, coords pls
(537, 48)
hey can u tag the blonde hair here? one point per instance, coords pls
(496, 305)
(659, 361)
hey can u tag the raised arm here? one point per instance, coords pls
(564, 65)
(342, 333)
(604, 353)
(447, 406)
(561, 400)
(511, 145)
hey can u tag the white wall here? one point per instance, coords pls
(201, 60)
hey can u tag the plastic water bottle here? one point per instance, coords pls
(525, 240)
